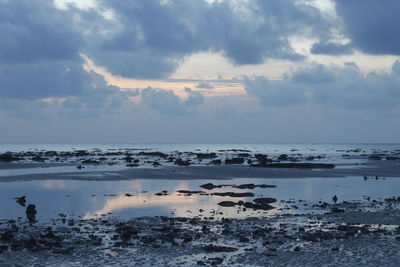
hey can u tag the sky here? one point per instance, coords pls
(201, 71)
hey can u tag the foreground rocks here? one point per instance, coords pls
(352, 237)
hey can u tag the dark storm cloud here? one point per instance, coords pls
(340, 87)
(40, 48)
(33, 31)
(41, 45)
(372, 26)
(154, 36)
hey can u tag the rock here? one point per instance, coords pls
(153, 154)
(190, 192)
(253, 206)
(233, 194)
(132, 165)
(208, 186)
(81, 153)
(215, 248)
(283, 157)
(227, 203)
(7, 236)
(234, 161)
(31, 213)
(252, 186)
(244, 239)
(264, 200)
(90, 161)
(297, 249)
(79, 167)
(206, 155)
(246, 186)
(262, 158)
(337, 210)
(375, 157)
(181, 162)
(216, 162)
(38, 159)
(295, 165)
(8, 157)
(335, 199)
(163, 193)
(392, 158)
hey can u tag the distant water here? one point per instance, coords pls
(262, 148)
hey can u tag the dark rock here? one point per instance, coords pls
(31, 213)
(190, 192)
(215, 248)
(375, 157)
(208, 186)
(163, 193)
(8, 157)
(7, 236)
(38, 159)
(297, 249)
(81, 153)
(335, 199)
(90, 161)
(283, 157)
(233, 194)
(234, 161)
(252, 186)
(216, 162)
(153, 154)
(337, 210)
(244, 239)
(132, 165)
(253, 206)
(246, 186)
(295, 165)
(227, 203)
(264, 200)
(392, 158)
(262, 158)
(181, 162)
(206, 155)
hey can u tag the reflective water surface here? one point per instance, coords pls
(136, 198)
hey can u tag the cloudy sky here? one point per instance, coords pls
(199, 71)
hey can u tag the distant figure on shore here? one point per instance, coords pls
(334, 199)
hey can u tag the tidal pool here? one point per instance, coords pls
(136, 198)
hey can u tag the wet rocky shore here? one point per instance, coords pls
(260, 230)
(341, 233)
(141, 157)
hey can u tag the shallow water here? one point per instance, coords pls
(94, 198)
